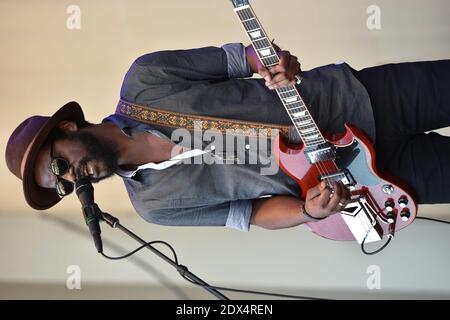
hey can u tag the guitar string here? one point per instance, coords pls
(248, 15)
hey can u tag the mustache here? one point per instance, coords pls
(82, 164)
(81, 173)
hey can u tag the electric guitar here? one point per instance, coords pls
(378, 205)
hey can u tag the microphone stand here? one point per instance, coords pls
(113, 222)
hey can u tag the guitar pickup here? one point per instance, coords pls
(321, 152)
(343, 176)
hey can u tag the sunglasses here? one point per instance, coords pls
(59, 167)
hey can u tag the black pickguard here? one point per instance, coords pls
(354, 158)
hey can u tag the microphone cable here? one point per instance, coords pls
(181, 268)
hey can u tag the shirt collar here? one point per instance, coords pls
(130, 127)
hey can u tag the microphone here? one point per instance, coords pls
(91, 211)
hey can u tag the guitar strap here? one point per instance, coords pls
(159, 117)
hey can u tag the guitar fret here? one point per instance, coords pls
(296, 112)
(308, 130)
(304, 121)
(244, 12)
(311, 125)
(253, 30)
(288, 95)
(272, 55)
(301, 123)
(291, 99)
(311, 137)
(295, 108)
(245, 15)
(308, 126)
(256, 34)
(290, 103)
(262, 46)
(299, 114)
(314, 143)
(250, 24)
(289, 92)
(288, 88)
(242, 8)
(248, 14)
(264, 39)
(248, 19)
(270, 60)
(295, 91)
(268, 65)
(266, 52)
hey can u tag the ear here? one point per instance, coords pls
(68, 126)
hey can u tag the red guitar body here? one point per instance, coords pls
(355, 153)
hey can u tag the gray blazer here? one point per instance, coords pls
(215, 82)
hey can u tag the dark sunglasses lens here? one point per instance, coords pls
(59, 166)
(63, 188)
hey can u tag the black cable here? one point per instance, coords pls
(255, 292)
(433, 219)
(363, 249)
(142, 247)
(390, 236)
(200, 284)
(252, 291)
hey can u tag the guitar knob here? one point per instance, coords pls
(389, 205)
(405, 214)
(387, 189)
(390, 217)
(403, 202)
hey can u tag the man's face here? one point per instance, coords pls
(85, 154)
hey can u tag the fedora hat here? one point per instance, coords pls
(24, 145)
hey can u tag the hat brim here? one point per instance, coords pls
(38, 197)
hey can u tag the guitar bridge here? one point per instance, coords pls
(359, 216)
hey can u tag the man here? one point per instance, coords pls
(393, 104)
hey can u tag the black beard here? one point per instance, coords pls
(101, 151)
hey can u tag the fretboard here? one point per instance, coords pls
(289, 95)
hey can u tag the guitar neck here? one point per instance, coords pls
(289, 95)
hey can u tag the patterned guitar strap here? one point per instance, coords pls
(159, 117)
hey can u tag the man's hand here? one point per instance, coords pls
(321, 201)
(281, 75)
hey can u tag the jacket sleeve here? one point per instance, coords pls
(208, 63)
(234, 214)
